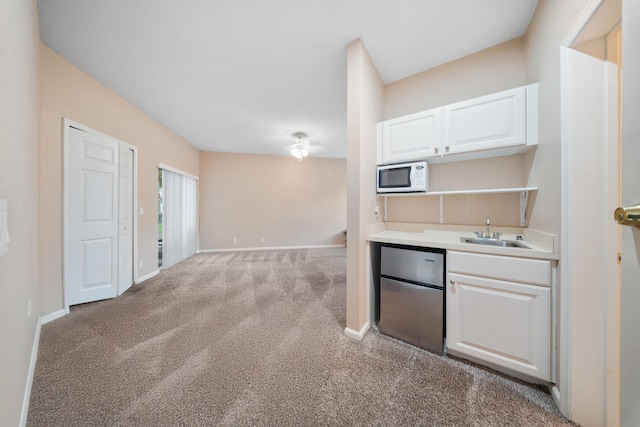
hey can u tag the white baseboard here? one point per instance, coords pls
(146, 277)
(30, 373)
(53, 316)
(357, 335)
(268, 248)
(555, 393)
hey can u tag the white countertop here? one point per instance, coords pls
(542, 245)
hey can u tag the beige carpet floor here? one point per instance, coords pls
(256, 339)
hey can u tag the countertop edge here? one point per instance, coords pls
(448, 242)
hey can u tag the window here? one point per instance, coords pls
(177, 218)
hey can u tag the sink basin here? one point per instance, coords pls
(493, 242)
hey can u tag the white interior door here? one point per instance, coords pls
(630, 236)
(91, 218)
(125, 228)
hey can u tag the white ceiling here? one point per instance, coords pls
(244, 75)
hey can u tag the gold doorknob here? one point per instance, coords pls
(628, 216)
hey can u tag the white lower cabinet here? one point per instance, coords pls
(504, 322)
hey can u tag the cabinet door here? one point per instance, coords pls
(505, 323)
(413, 137)
(492, 121)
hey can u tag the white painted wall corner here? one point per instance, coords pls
(357, 335)
(30, 373)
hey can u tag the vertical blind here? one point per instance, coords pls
(179, 217)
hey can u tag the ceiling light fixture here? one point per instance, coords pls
(300, 148)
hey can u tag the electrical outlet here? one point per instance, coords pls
(29, 308)
(235, 240)
(141, 210)
(140, 263)
(262, 239)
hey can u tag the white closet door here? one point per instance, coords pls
(92, 218)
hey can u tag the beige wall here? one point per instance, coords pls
(534, 58)
(551, 23)
(19, 161)
(276, 198)
(538, 56)
(492, 70)
(68, 92)
(365, 95)
(497, 172)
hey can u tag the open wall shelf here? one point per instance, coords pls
(524, 197)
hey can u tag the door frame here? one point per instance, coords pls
(596, 13)
(67, 124)
(134, 214)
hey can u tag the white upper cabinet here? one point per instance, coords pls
(491, 121)
(499, 124)
(416, 136)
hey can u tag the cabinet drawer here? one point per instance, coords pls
(523, 270)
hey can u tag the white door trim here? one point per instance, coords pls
(66, 125)
(134, 213)
(562, 390)
(598, 12)
(176, 170)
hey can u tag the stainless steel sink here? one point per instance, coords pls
(493, 242)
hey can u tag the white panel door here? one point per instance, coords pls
(492, 121)
(500, 322)
(413, 137)
(92, 218)
(630, 236)
(125, 228)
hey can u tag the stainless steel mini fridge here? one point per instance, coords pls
(412, 296)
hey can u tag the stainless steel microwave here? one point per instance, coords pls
(403, 178)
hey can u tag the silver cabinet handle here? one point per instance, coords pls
(435, 150)
(446, 148)
(452, 282)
